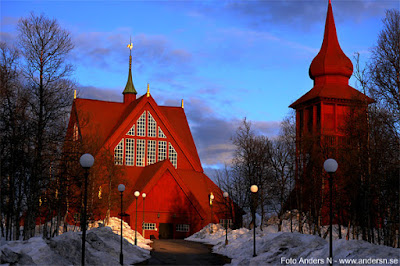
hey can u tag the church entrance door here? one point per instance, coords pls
(166, 231)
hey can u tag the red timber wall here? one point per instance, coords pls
(166, 206)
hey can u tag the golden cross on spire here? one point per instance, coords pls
(130, 45)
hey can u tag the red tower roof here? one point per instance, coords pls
(330, 60)
(331, 70)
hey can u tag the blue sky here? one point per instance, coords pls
(226, 59)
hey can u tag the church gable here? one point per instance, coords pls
(167, 196)
(145, 137)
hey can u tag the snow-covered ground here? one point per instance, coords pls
(102, 248)
(285, 248)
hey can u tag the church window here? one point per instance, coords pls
(172, 155)
(182, 228)
(149, 226)
(140, 149)
(151, 126)
(161, 133)
(99, 195)
(75, 136)
(141, 125)
(162, 150)
(151, 152)
(225, 222)
(130, 152)
(119, 153)
(131, 131)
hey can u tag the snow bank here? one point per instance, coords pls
(102, 248)
(292, 248)
(115, 224)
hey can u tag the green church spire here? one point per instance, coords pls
(130, 88)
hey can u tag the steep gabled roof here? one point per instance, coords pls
(97, 117)
(106, 120)
(177, 118)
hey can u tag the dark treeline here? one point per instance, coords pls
(41, 179)
(367, 198)
(36, 96)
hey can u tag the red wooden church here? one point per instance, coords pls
(321, 116)
(154, 147)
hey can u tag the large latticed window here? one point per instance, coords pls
(172, 156)
(141, 125)
(161, 133)
(140, 149)
(131, 131)
(162, 150)
(149, 226)
(129, 152)
(182, 228)
(119, 153)
(151, 126)
(151, 152)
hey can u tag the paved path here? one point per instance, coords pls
(181, 252)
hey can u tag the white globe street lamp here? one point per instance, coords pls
(254, 190)
(144, 197)
(330, 167)
(226, 217)
(211, 198)
(121, 188)
(86, 162)
(136, 194)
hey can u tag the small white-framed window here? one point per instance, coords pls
(172, 155)
(141, 125)
(151, 152)
(130, 152)
(150, 226)
(151, 126)
(162, 150)
(161, 133)
(131, 131)
(182, 228)
(119, 153)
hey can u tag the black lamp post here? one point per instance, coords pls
(86, 162)
(254, 190)
(330, 167)
(144, 197)
(137, 194)
(211, 196)
(226, 217)
(121, 188)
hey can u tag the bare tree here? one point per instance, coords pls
(282, 155)
(14, 141)
(45, 46)
(250, 165)
(384, 67)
